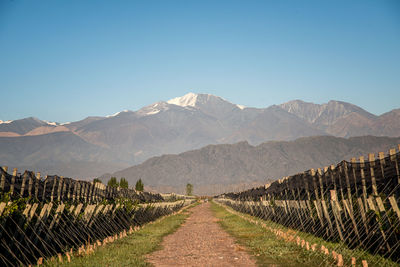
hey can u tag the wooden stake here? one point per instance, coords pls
(13, 181)
(364, 184)
(74, 191)
(44, 188)
(382, 164)
(395, 207)
(371, 158)
(319, 173)
(3, 177)
(53, 188)
(346, 174)
(60, 184)
(37, 185)
(353, 168)
(23, 184)
(362, 211)
(392, 154)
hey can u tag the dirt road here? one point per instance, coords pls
(200, 241)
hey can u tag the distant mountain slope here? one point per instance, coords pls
(22, 126)
(190, 122)
(324, 115)
(62, 153)
(273, 123)
(214, 168)
(387, 124)
(76, 125)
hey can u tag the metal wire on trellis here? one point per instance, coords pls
(40, 218)
(353, 204)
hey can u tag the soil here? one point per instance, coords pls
(200, 241)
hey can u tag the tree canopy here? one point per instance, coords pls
(113, 182)
(189, 189)
(123, 183)
(139, 185)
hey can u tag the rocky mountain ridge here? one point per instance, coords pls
(175, 126)
(216, 169)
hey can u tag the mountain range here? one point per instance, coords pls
(96, 145)
(215, 169)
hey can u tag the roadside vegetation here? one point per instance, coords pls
(131, 250)
(267, 249)
(189, 189)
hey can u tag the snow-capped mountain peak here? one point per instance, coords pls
(51, 123)
(5, 122)
(189, 99)
(116, 114)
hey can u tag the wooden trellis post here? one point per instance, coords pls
(363, 181)
(80, 189)
(363, 215)
(64, 190)
(308, 200)
(324, 207)
(336, 215)
(23, 183)
(53, 189)
(37, 184)
(30, 183)
(85, 191)
(44, 188)
(394, 205)
(339, 177)
(74, 192)
(13, 181)
(3, 178)
(382, 164)
(371, 159)
(346, 174)
(60, 184)
(319, 173)
(92, 192)
(393, 158)
(353, 168)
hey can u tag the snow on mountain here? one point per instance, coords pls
(152, 109)
(189, 99)
(51, 123)
(212, 105)
(116, 114)
(186, 123)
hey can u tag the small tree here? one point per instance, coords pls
(139, 185)
(189, 189)
(123, 183)
(97, 180)
(113, 182)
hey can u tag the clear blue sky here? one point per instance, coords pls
(65, 60)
